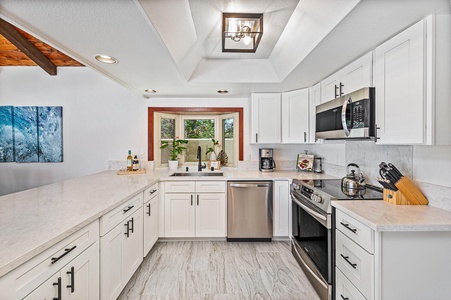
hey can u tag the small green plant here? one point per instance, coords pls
(212, 149)
(177, 147)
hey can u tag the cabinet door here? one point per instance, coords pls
(47, 290)
(357, 74)
(81, 276)
(150, 224)
(133, 245)
(112, 258)
(295, 116)
(399, 82)
(266, 126)
(314, 100)
(281, 209)
(179, 215)
(210, 215)
(330, 88)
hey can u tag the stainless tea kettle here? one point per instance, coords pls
(354, 179)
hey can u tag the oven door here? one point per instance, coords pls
(312, 244)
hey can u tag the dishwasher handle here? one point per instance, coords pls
(250, 185)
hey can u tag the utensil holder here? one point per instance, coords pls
(395, 197)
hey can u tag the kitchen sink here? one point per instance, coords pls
(197, 174)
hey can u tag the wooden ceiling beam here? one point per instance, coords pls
(11, 34)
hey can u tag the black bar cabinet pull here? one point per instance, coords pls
(256, 137)
(343, 297)
(128, 208)
(305, 137)
(348, 261)
(59, 289)
(197, 200)
(72, 279)
(66, 251)
(191, 200)
(341, 89)
(347, 227)
(153, 191)
(148, 206)
(127, 229)
(131, 228)
(336, 91)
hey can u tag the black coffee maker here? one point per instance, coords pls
(266, 160)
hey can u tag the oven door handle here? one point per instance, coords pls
(321, 218)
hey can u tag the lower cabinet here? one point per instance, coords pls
(150, 221)
(121, 251)
(197, 211)
(282, 215)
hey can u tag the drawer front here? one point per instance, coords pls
(179, 187)
(37, 270)
(114, 217)
(210, 186)
(355, 230)
(151, 192)
(356, 264)
(344, 289)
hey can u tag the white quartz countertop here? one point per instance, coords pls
(32, 221)
(383, 216)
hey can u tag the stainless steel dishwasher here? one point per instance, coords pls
(249, 211)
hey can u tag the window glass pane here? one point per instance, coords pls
(228, 144)
(167, 128)
(228, 128)
(199, 129)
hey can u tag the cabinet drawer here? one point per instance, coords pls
(355, 230)
(179, 187)
(151, 192)
(114, 217)
(210, 186)
(37, 270)
(344, 289)
(355, 263)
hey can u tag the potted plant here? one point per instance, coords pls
(212, 150)
(174, 151)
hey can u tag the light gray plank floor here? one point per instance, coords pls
(219, 270)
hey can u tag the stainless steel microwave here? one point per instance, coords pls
(351, 116)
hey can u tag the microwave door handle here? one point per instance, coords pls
(343, 115)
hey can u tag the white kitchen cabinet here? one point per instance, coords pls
(196, 212)
(150, 218)
(266, 118)
(295, 116)
(315, 100)
(121, 248)
(412, 84)
(352, 77)
(390, 264)
(282, 211)
(39, 277)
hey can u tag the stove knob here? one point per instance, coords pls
(319, 199)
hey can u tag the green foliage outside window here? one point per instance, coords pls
(199, 129)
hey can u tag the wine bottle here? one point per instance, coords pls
(135, 163)
(129, 161)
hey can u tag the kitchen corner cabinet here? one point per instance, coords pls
(121, 246)
(282, 212)
(354, 76)
(295, 116)
(67, 270)
(411, 76)
(195, 209)
(390, 264)
(150, 217)
(266, 118)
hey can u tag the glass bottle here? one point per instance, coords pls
(129, 161)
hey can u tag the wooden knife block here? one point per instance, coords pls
(395, 197)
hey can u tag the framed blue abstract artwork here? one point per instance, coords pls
(31, 134)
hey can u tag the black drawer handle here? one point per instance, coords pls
(343, 297)
(128, 208)
(347, 227)
(149, 211)
(348, 261)
(66, 251)
(72, 280)
(59, 289)
(127, 229)
(152, 191)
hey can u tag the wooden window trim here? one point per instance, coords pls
(150, 123)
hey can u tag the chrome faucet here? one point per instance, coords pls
(199, 154)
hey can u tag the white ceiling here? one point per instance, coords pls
(174, 46)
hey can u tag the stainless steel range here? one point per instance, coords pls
(312, 241)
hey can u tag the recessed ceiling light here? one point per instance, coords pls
(150, 91)
(223, 92)
(106, 59)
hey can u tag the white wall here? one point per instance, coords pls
(101, 121)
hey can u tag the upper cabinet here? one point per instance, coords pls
(266, 114)
(315, 99)
(411, 76)
(354, 76)
(295, 116)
